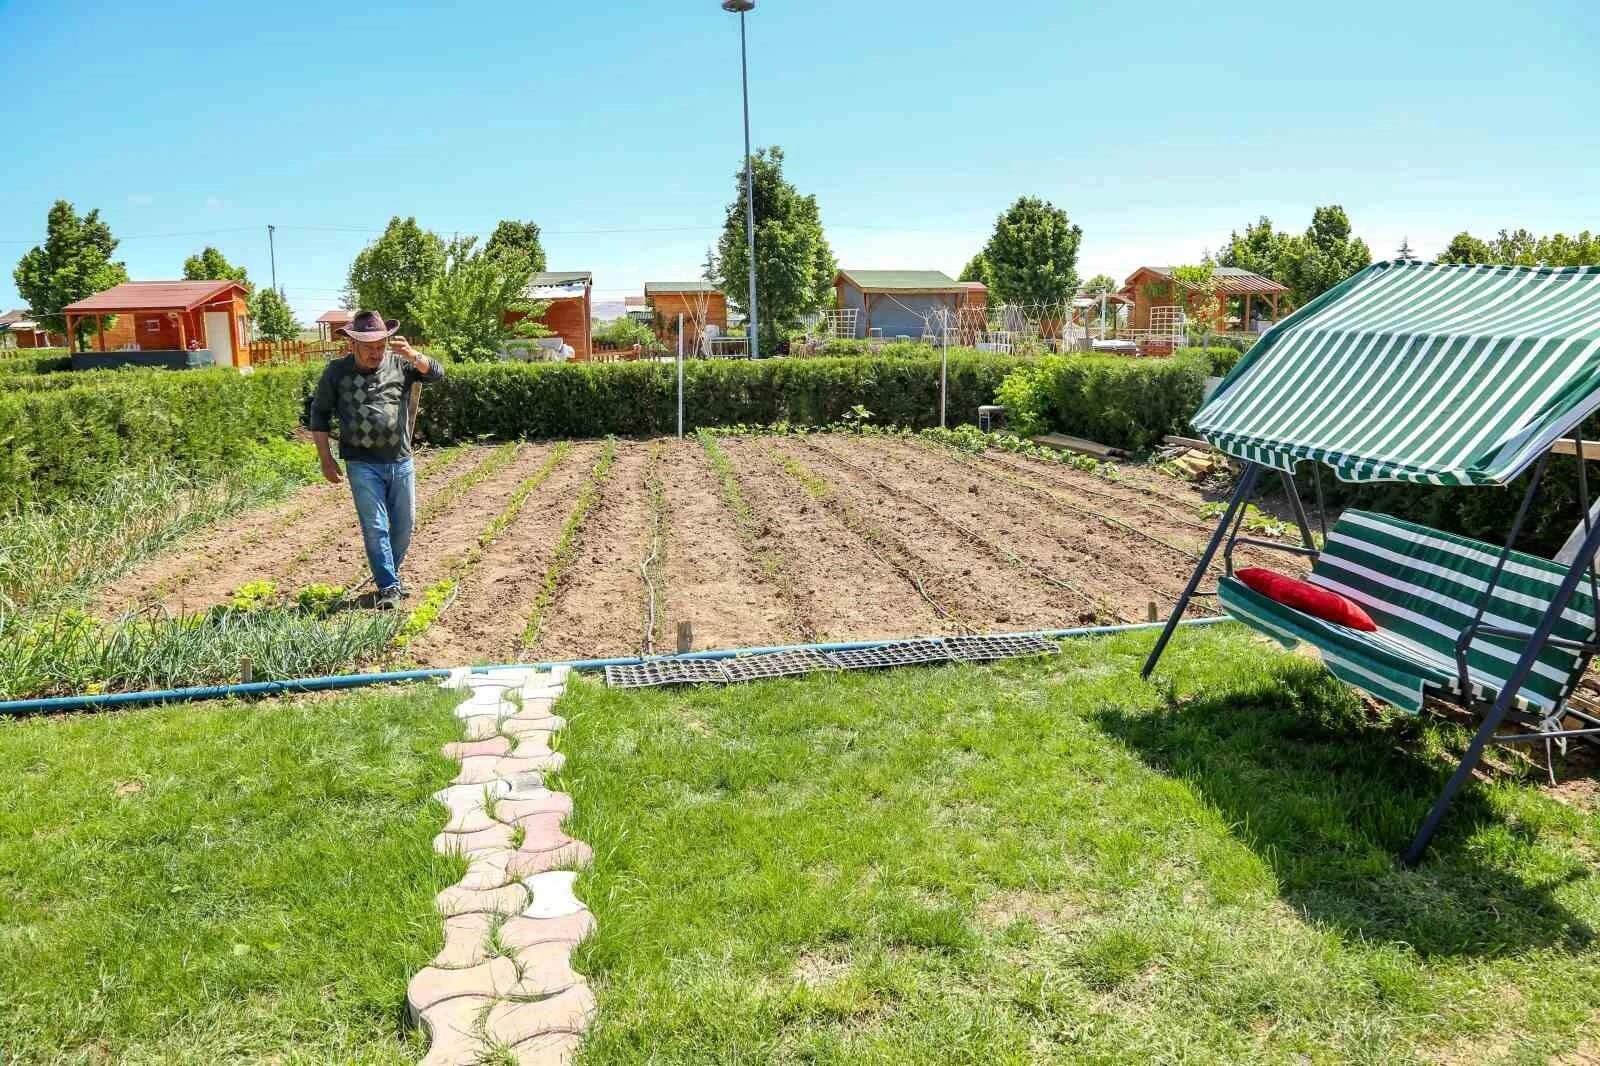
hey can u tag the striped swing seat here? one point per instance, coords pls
(1423, 588)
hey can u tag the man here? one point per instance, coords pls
(369, 390)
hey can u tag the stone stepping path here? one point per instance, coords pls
(503, 984)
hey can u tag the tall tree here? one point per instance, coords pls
(390, 274)
(977, 269)
(1309, 263)
(522, 237)
(462, 310)
(273, 317)
(73, 262)
(1033, 254)
(794, 265)
(1260, 249)
(1326, 255)
(211, 265)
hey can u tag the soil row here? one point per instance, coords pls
(808, 538)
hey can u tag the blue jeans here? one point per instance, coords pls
(386, 503)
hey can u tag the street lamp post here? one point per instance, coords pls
(741, 7)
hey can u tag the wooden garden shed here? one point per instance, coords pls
(896, 303)
(1243, 295)
(569, 294)
(165, 323)
(329, 323)
(19, 330)
(700, 303)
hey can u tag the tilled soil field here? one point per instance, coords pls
(599, 548)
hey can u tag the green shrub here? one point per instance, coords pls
(1124, 402)
(1221, 358)
(510, 400)
(65, 441)
(36, 361)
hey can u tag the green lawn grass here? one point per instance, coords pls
(228, 882)
(1053, 862)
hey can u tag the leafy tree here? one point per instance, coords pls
(73, 262)
(1309, 264)
(1033, 254)
(625, 332)
(794, 265)
(1325, 256)
(390, 274)
(1521, 248)
(212, 265)
(463, 309)
(1101, 283)
(273, 317)
(1260, 250)
(977, 269)
(522, 237)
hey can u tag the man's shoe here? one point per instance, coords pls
(389, 598)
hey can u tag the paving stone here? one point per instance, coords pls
(569, 929)
(486, 701)
(466, 940)
(548, 1049)
(511, 811)
(488, 870)
(519, 1022)
(526, 785)
(470, 820)
(495, 745)
(511, 765)
(480, 769)
(559, 674)
(546, 970)
(453, 1031)
(508, 900)
(532, 745)
(494, 978)
(526, 864)
(520, 724)
(481, 726)
(495, 838)
(551, 894)
(465, 797)
(541, 832)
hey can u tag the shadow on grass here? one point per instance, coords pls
(1329, 799)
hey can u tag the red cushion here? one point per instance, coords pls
(1307, 598)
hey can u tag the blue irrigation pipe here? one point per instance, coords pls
(103, 700)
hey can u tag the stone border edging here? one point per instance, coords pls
(503, 982)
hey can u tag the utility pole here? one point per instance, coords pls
(741, 7)
(272, 253)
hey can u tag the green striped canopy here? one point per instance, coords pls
(1446, 375)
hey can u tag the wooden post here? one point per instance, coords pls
(183, 332)
(100, 332)
(71, 347)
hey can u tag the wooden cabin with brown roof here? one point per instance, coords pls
(1244, 296)
(165, 323)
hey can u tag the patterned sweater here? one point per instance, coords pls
(372, 406)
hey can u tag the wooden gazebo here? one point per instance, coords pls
(1151, 287)
(164, 323)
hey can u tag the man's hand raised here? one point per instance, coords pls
(402, 348)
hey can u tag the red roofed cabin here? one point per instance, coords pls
(156, 321)
(331, 322)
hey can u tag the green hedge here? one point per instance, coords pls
(1126, 402)
(37, 361)
(506, 400)
(64, 441)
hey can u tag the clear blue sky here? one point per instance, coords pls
(615, 125)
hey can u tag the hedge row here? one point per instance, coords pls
(61, 442)
(1124, 402)
(506, 400)
(37, 361)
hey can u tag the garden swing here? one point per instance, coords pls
(1436, 375)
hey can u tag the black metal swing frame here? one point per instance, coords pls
(1493, 713)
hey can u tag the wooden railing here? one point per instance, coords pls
(264, 352)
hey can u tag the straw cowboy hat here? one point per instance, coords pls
(370, 326)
